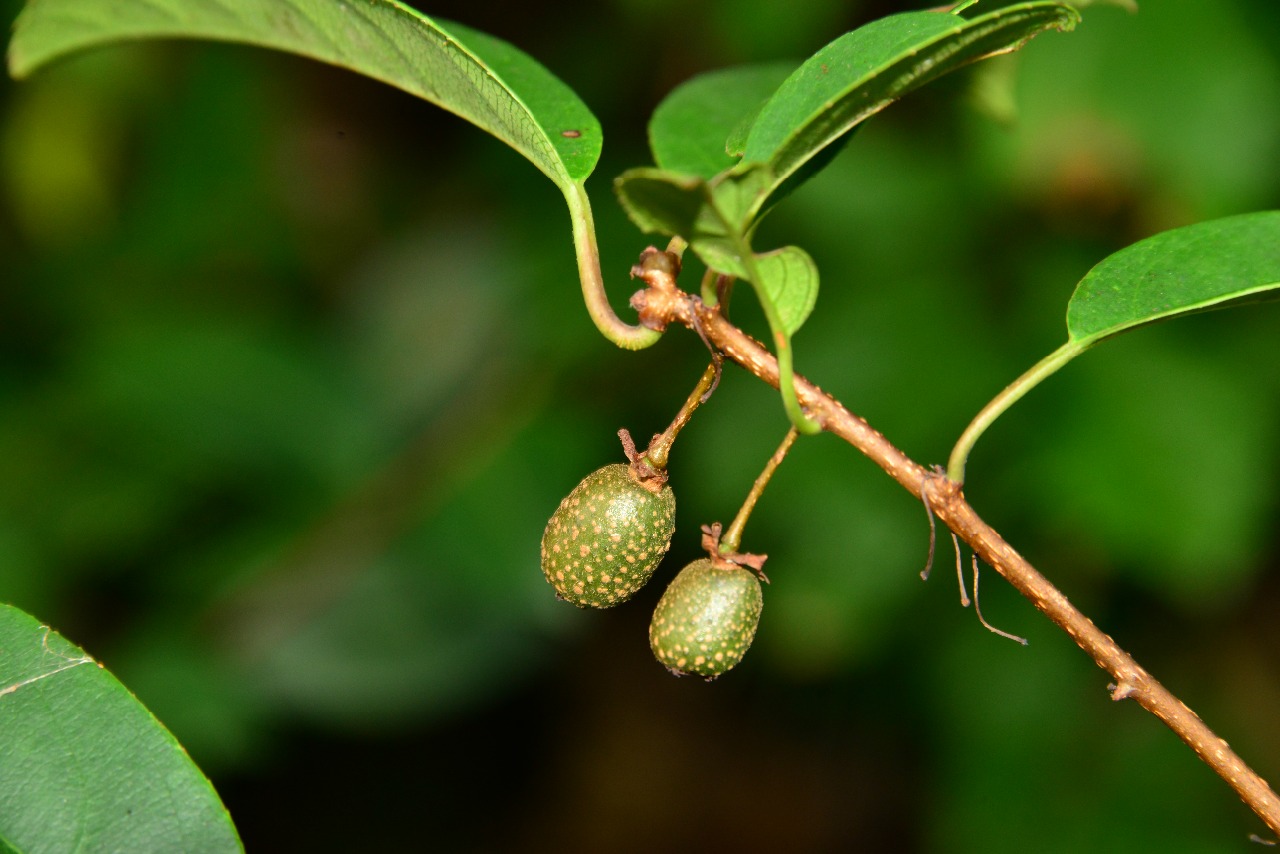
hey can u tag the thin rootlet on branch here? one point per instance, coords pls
(662, 303)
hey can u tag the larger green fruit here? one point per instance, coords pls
(706, 619)
(607, 537)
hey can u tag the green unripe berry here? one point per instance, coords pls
(706, 619)
(607, 537)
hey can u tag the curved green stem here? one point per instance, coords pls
(676, 246)
(660, 447)
(732, 539)
(593, 293)
(708, 287)
(782, 347)
(1011, 395)
(787, 385)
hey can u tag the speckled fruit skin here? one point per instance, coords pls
(706, 620)
(607, 537)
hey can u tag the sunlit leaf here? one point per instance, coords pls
(691, 129)
(860, 73)
(482, 79)
(1195, 268)
(83, 765)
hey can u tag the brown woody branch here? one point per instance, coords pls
(663, 302)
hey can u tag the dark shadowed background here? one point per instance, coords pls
(294, 368)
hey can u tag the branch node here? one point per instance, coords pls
(656, 303)
(1122, 691)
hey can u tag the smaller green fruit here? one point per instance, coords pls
(706, 619)
(607, 537)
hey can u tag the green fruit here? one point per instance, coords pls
(607, 537)
(706, 620)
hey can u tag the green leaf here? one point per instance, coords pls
(661, 202)
(1200, 267)
(704, 213)
(789, 280)
(862, 72)
(668, 203)
(83, 765)
(786, 283)
(690, 131)
(482, 79)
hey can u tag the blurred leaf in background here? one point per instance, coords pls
(285, 403)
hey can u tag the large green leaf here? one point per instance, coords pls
(862, 72)
(1199, 267)
(700, 130)
(690, 131)
(1195, 268)
(480, 78)
(83, 765)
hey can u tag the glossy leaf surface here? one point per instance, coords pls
(863, 71)
(1195, 268)
(704, 124)
(83, 765)
(691, 130)
(480, 78)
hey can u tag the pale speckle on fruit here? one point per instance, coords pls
(711, 610)
(609, 515)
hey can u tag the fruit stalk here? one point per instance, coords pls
(660, 448)
(732, 538)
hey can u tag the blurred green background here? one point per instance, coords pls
(294, 368)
